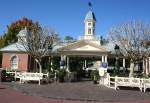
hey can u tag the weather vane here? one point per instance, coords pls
(90, 5)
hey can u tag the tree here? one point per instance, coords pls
(69, 38)
(14, 28)
(133, 39)
(2, 39)
(39, 43)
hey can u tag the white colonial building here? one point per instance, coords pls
(84, 54)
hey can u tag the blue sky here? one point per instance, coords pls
(67, 16)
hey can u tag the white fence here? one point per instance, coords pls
(114, 82)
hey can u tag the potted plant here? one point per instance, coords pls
(61, 75)
(95, 76)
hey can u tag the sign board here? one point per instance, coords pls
(62, 63)
(104, 65)
(101, 72)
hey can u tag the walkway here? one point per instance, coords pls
(72, 92)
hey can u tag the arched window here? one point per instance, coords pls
(89, 24)
(14, 62)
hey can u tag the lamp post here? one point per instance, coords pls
(50, 50)
(117, 50)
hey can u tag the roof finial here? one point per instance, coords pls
(90, 5)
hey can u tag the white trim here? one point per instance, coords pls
(12, 63)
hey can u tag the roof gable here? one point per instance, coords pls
(87, 48)
(84, 46)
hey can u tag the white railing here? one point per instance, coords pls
(89, 37)
(114, 82)
(146, 84)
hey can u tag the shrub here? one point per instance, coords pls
(61, 75)
(95, 75)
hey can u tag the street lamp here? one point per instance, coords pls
(117, 51)
(50, 50)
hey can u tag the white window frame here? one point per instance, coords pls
(14, 62)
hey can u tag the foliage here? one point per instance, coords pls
(39, 43)
(142, 75)
(2, 41)
(55, 63)
(95, 75)
(103, 40)
(0, 60)
(69, 39)
(61, 75)
(13, 29)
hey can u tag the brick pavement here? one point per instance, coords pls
(9, 95)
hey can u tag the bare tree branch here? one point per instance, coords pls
(39, 43)
(133, 38)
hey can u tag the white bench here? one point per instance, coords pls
(28, 76)
(16, 74)
(146, 84)
(128, 82)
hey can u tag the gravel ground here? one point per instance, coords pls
(83, 91)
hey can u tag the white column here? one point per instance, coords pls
(105, 59)
(102, 59)
(124, 63)
(85, 63)
(62, 57)
(146, 66)
(67, 64)
(51, 65)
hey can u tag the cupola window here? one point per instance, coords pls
(89, 31)
(89, 24)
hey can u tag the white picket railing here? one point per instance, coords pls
(146, 84)
(115, 82)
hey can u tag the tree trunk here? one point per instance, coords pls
(40, 66)
(132, 65)
(144, 70)
(146, 66)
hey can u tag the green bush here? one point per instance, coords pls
(61, 75)
(145, 76)
(95, 75)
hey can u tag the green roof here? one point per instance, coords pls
(90, 16)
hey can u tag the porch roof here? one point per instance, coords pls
(84, 47)
(81, 46)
